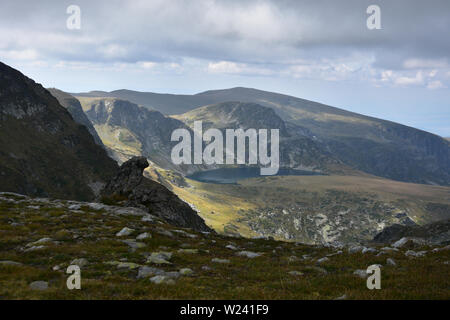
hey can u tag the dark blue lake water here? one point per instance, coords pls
(233, 175)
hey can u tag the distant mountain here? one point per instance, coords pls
(76, 111)
(298, 148)
(372, 145)
(43, 151)
(130, 130)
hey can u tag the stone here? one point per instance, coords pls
(295, 273)
(145, 272)
(248, 254)
(322, 260)
(144, 236)
(369, 250)
(390, 262)
(186, 234)
(162, 279)
(34, 248)
(217, 260)
(39, 242)
(133, 244)
(159, 258)
(10, 263)
(124, 232)
(147, 218)
(39, 285)
(186, 272)
(356, 249)
(188, 251)
(231, 247)
(128, 265)
(82, 262)
(343, 297)
(360, 273)
(408, 242)
(412, 253)
(206, 268)
(389, 249)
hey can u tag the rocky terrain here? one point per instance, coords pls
(127, 253)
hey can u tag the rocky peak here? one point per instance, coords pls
(141, 192)
(128, 177)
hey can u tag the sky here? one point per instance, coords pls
(319, 50)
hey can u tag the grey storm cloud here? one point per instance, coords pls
(241, 31)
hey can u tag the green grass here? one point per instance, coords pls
(265, 277)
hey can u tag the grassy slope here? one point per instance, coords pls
(219, 204)
(265, 277)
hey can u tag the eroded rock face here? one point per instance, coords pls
(157, 199)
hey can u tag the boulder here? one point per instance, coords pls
(129, 183)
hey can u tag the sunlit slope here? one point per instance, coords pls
(312, 209)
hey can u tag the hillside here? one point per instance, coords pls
(43, 151)
(125, 253)
(376, 146)
(298, 147)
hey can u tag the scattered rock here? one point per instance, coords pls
(412, 253)
(343, 297)
(160, 258)
(188, 251)
(231, 247)
(248, 254)
(144, 236)
(390, 262)
(82, 262)
(206, 268)
(133, 244)
(322, 260)
(356, 249)
(441, 249)
(124, 232)
(186, 272)
(162, 279)
(10, 263)
(409, 242)
(295, 273)
(369, 250)
(145, 272)
(217, 260)
(186, 234)
(39, 285)
(147, 218)
(360, 273)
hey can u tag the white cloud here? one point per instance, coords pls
(435, 85)
(408, 81)
(426, 64)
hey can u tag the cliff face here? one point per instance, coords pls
(43, 151)
(76, 111)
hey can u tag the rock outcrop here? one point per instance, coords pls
(137, 191)
(433, 233)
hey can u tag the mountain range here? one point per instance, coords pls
(372, 145)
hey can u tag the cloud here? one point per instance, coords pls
(435, 85)
(325, 39)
